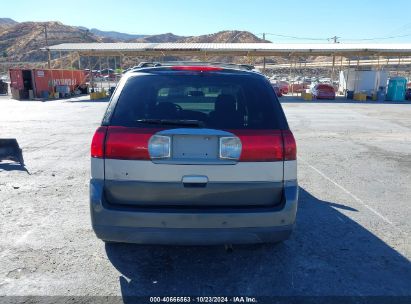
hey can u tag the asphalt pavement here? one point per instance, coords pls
(353, 233)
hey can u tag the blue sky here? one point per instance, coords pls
(348, 19)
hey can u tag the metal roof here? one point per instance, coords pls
(234, 49)
(400, 61)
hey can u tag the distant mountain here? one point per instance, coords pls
(116, 36)
(6, 23)
(23, 41)
(162, 38)
(225, 37)
(220, 37)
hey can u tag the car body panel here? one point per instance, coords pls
(207, 194)
(277, 90)
(193, 226)
(136, 170)
(323, 91)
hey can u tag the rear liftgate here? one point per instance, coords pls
(192, 167)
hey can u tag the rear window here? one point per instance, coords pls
(214, 101)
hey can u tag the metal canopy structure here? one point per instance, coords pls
(233, 49)
(353, 52)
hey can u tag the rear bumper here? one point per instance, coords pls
(193, 227)
(192, 236)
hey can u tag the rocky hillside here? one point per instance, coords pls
(220, 37)
(224, 37)
(115, 36)
(162, 38)
(23, 41)
(6, 23)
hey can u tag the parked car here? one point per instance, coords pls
(325, 80)
(277, 90)
(408, 94)
(106, 72)
(204, 155)
(297, 87)
(323, 91)
(284, 87)
(111, 77)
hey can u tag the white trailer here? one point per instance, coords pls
(366, 81)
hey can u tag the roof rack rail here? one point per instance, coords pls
(234, 66)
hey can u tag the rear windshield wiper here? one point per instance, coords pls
(173, 122)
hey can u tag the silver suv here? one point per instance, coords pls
(193, 154)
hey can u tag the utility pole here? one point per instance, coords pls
(47, 46)
(335, 40)
(45, 34)
(264, 57)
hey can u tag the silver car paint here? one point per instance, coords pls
(97, 168)
(290, 170)
(172, 218)
(142, 170)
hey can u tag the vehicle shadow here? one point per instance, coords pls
(12, 166)
(328, 254)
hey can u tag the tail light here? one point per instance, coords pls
(260, 145)
(290, 147)
(143, 144)
(266, 145)
(97, 144)
(128, 143)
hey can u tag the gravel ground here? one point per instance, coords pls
(353, 231)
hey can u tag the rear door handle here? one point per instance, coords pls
(194, 179)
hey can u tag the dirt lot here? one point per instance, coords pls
(353, 231)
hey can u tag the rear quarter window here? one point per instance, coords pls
(218, 101)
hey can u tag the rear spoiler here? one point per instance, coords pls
(244, 67)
